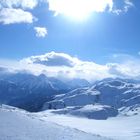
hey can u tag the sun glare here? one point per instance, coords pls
(79, 9)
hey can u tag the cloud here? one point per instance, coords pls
(25, 4)
(117, 69)
(52, 59)
(123, 7)
(125, 70)
(16, 11)
(128, 4)
(10, 16)
(125, 65)
(64, 66)
(41, 31)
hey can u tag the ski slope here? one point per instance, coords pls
(20, 125)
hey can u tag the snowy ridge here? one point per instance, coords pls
(111, 95)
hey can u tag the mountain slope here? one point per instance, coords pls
(19, 125)
(117, 94)
(30, 92)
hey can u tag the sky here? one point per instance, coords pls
(105, 33)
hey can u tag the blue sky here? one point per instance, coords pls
(96, 38)
(106, 32)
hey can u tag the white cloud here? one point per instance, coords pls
(29, 4)
(53, 59)
(125, 70)
(128, 4)
(64, 66)
(14, 11)
(10, 16)
(125, 65)
(40, 31)
(125, 6)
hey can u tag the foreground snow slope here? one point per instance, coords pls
(117, 128)
(20, 125)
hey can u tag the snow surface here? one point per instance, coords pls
(20, 125)
(117, 128)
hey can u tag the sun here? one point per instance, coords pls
(78, 9)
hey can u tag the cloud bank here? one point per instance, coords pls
(64, 66)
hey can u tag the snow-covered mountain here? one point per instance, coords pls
(30, 92)
(118, 92)
(104, 99)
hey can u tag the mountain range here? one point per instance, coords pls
(30, 92)
(99, 100)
